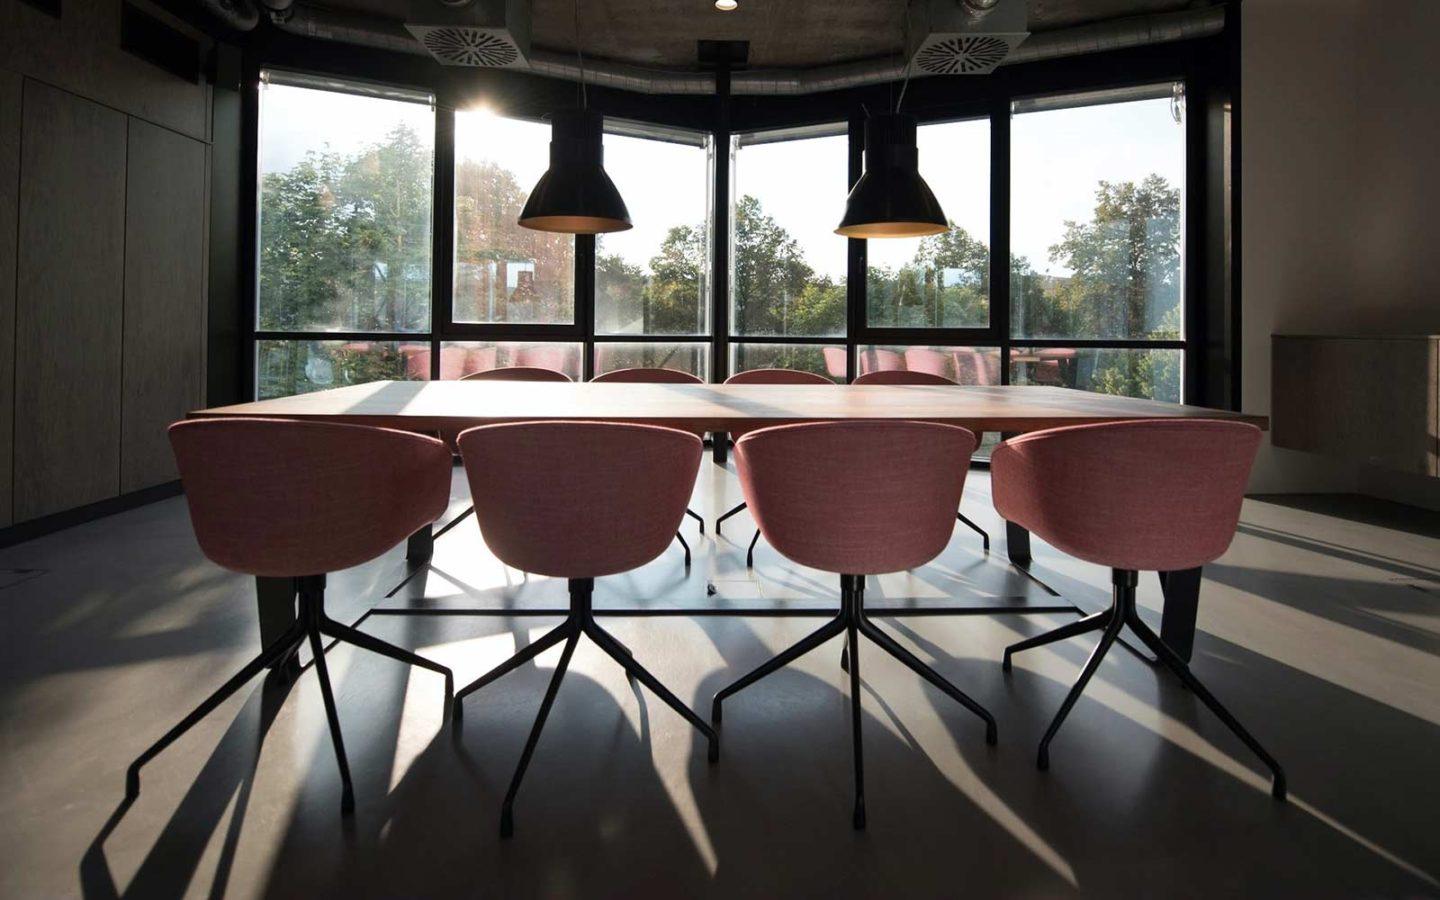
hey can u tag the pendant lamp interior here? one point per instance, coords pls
(891, 200)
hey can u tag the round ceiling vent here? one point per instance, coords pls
(962, 55)
(469, 47)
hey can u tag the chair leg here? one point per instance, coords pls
(891, 646)
(822, 634)
(681, 538)
(1112, 630)
(845, 657)
(697, 517)
(453, 522)
(852, 640)
(276, 652)
(550, 639)
(627, 661)
(399, 654)
(750, 554)
(507, 814)
(1173, 661)
(1092, 622)
(347, 791)
(732, 512)
(984, 535)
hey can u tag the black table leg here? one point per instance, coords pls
(275, 604)
(720, 447)
(1017, 538)
(421, 545)
(1182, 601)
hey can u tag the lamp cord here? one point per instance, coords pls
(580, 60)
(904, 48)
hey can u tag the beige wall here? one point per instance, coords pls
(1339, 149)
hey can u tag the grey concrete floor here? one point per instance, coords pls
(1320, 629)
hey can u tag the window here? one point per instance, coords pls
(461, 358)
(1152, 374)
(788, 265)
(654, 278)
(822, 359)
(692, 357)
(941, 281)
(505, 273)
(345, 207)
(1097, 228)
(962, 365)
(344, 233)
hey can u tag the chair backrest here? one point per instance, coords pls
(1155, 495)
(285, 499)
(517, 373)
(772, 376)
(901, 376)
(857, 497)
(642, 375)
(875, 359)
(579, 499)
(777, 376)
(836, 361)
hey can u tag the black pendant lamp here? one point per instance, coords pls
(891, 200)
(575, 196)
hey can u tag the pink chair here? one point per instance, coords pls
(900, 480)
(933, 362)
(764, 376)
(876, 360)
(280, 499)
(836, 362)
(908, 376)
(504, 373)
(1161, 495)
(517, 373)
(657, 376)
(627, 492)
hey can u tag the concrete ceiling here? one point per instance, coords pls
(781, 33)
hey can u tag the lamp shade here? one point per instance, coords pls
(891, 200)
(575, 196)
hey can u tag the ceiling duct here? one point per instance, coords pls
(1116, 34)
(964, 37)
(491, 34)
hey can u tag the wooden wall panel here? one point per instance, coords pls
(68, 302)
(10, 87)
(163, 361)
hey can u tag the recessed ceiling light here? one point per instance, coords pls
(726, 5)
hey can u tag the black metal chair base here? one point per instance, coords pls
(1121, 613)
(580, 621)
(853, 622)
(984, 535)
(310, 624)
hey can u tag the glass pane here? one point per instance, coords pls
(505, 273)
(460, 358)
(653, 279)
(283, 368)
(823, 360)
(963, 365)
(789, 265)
(1097, 202)
(941, 281)
(1152, 374)
(345, 207)
(690, 357)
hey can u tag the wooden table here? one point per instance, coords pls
(454, 405)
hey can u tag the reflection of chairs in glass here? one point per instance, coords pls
(836, 362)
(504, 373)
(640, 475)
(976, 366)
(877, 359)
(923, 359)
(899, 483)
(417, 363)
(460, 361)
(1133, 496)
(914, 377)
(764, 376)
(658, 376)
(560, 357)
(296, 500)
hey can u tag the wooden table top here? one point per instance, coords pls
(451, 405)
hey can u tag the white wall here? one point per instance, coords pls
(1340, 197)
